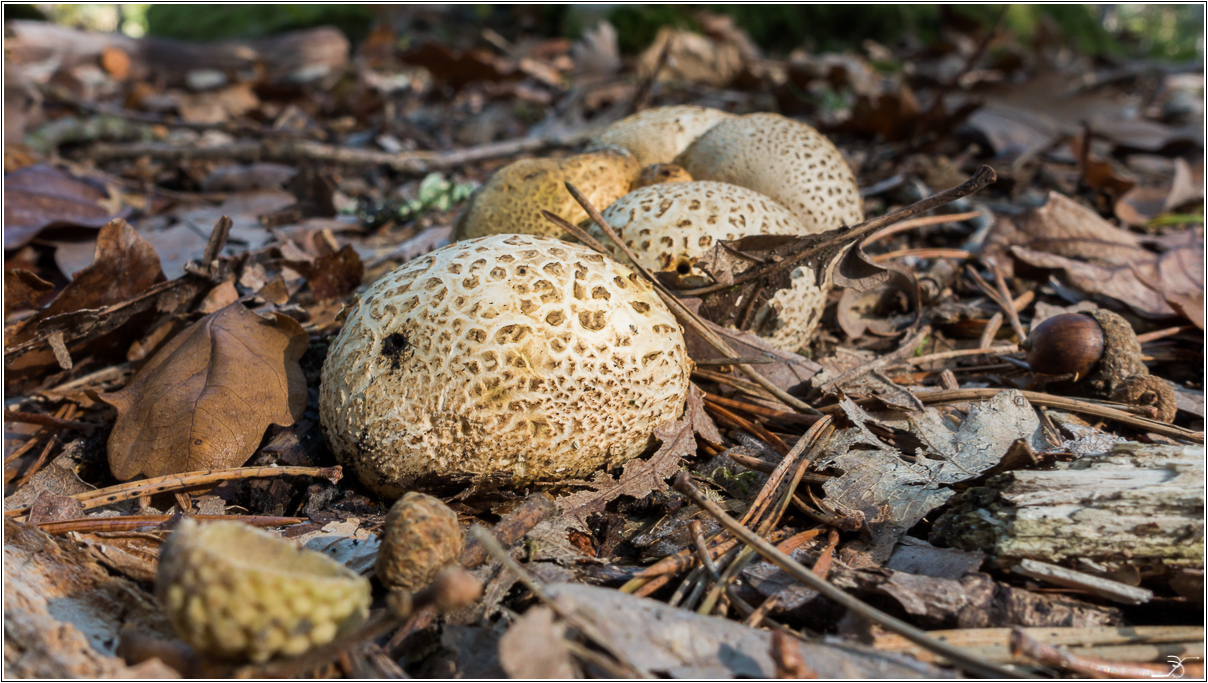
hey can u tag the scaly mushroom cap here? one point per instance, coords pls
(511, 355)
(657, 136)
(512, 200)
(234, 591)
(671, 226)
(784, 159)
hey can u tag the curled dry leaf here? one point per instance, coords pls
(1142, 204)
(22, 288)
(1099, 258)
(204, 401)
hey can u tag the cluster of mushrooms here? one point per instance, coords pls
(517, 353)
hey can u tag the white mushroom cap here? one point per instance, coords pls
(657, 136)
(784, 159)
(670, 226)
(512, 200)
(505, 354)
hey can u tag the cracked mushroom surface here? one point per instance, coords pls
(671, 226)
(784, 159)
(658, 135)
(510, 355)
(512, 199)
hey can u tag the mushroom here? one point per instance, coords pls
(657, 136)
(671, 226)
(236, 592)
(512, 200)
(784, 159)
(518, 356)
(419, 538)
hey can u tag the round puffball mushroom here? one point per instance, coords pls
(784, 159)
(512, 200)
(513, 355)
(671, 226)
(657, 136)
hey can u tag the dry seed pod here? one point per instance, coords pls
(510, 355)
(512, 200)
(236, 592)
(420, 537)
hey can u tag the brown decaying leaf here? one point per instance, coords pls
(123, 266)
(336, 275)
(1099, 258)
(639, 477)
(204, 401)
(22, 288)
(42, 196)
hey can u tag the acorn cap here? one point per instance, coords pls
(236, 592)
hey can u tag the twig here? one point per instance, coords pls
(1023, 645)
(929, 252)
(64, 413)
(1168, 332)
(46, 420)
(983, 177)
(187, 480)
(737, 422)
(683, 484)
(919, 222)
(131, 522)
(905, 350)
(957, 353)
(1011, 310)
(417, 163)
(583, 626)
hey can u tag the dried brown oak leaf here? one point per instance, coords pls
(639, 477)
(204, 401)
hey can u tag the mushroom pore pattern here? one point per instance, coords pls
(510, 354)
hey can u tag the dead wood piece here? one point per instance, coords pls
(1119, 643)
(1137, 511)
(534, 510)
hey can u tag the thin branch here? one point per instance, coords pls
(186, 480)
(979, 180)
(683, 484)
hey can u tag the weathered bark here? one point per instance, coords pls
(1132, 514)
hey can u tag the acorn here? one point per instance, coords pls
(1100, 354)
(420, 538)
(1067, 344)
